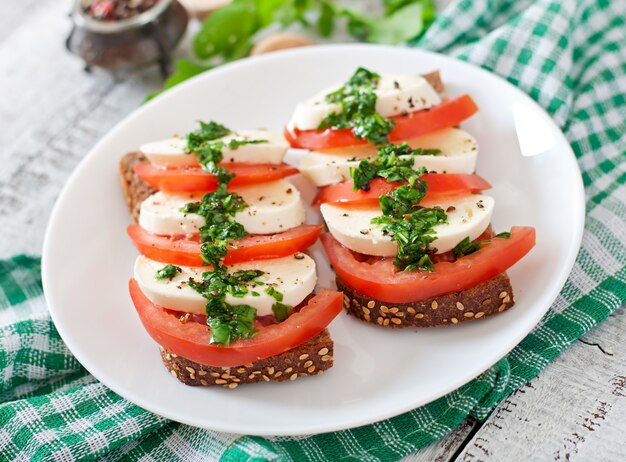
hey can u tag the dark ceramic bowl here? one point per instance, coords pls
(143, 39)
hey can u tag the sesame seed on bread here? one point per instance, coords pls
(311, 358)
(491, 297)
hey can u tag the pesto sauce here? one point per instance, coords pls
(408, 224)
(227, 322)
(466, 246)
(357, 98)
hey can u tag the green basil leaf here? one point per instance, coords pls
(404, 24)
(223, 31)
(326, 20)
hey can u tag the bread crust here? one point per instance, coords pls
(491, 297)
(134, 188)
(311, 358)
(434, 79)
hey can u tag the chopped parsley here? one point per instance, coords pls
(208, 131)
(281, 311)
(227, 322)
(408, 224)
(413, 233)
(167, 272)
(466, 246)
(357, 98)
(218, 209)
(392, 162)
(274, 293)
(210, 152)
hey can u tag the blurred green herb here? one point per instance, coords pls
(229, 33)
(183, 70)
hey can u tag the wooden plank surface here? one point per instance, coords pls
(52, 113)
(574, 411)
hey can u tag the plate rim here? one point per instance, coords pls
(578, 215)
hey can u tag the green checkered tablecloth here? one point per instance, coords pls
(570, 56)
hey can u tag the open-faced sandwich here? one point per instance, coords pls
(409, 232)
(223, 283)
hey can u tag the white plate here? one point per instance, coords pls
(378, 373)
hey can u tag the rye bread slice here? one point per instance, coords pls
(134, 188)
(311, 358)
(491, 297)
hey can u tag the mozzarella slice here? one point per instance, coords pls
(459, 151)
(273, 207)
(395, 94)
(171, 152)
(467, 216)
(294, 276)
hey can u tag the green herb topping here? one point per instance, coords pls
(208, 131)
(167, 272)
(357, 98)
(210, 152)
(228, 322)
(281, 311)
(466, 246)
(274, 293)
(408, 224)
(218, 209)
(389, 164)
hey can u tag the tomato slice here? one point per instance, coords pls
(438, 183)
(191, 339)
(185, 251)
(189, 179)
(448, 114)
(380, 280)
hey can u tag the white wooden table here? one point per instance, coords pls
(51, 113)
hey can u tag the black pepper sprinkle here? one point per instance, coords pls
(345, 215)
(452, 208)
(299, 256)
(411, 105)
(289, 191)
(480, 205)
(396, 85)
